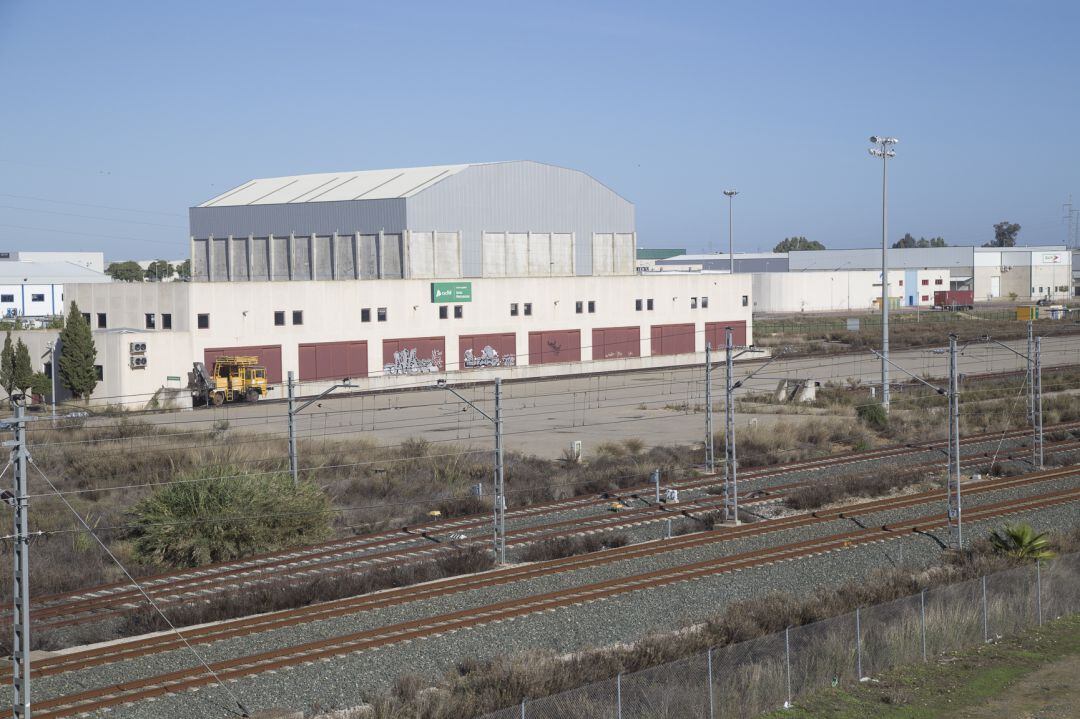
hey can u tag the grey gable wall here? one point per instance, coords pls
(303, 218)
(519, 196)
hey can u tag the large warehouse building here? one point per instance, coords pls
(514, 269)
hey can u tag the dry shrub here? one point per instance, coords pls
(570, 546)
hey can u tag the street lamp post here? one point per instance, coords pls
(730, 235)
(884, 151)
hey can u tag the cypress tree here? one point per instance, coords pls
(77, 354)
(24, 368)
(7, 366)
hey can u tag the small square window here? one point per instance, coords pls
(298, 317)
(704, 302)
(528, 309)
(101, 320)
(925, 282)
(365, 314)
(901, 283)
(443, 312)
(592, 306)
(86, 316)
(925, 298)
(459, 312)
(513, 309)
(746, 300)
(37, 298)
(693, 303)
(579, 307)
(7, 298)
(648, 304)
(279, 318)
(202, 322)
(99, 372)
(937, 281)
(166, 321)
(637, 305)
(150, 323)
(380, 314)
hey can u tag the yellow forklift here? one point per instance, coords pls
(233, 379)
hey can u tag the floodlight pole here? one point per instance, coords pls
(20, 620)
(499, 529)
(730, 230)
(884, 153)
(710, 442)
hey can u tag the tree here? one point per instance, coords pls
(908, 241)
(1022, 542)
(128, 271)
(904, 242)
(159, 270)
(795, 244)
(77, 354)
(7, 366)
(1005, 233)
(184, 270)
(41, 385)
(938, 242)
(24, 367)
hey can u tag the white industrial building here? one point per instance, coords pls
(1023, 274)
(32, 283)
(398, 277)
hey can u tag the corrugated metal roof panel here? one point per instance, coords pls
(335, 186)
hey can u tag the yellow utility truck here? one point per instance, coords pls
(232, 379)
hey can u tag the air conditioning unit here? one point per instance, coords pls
(138, 363)
(137, 348)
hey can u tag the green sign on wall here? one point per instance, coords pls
(451, 291)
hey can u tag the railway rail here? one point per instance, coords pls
(230, 670)
(81, 659)
(386, 549)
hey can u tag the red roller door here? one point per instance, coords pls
(505, 344)
(715, 333)
(429, 349)
(333, 360)
(269, 357)
(613, 342)
(672, 339)
(554, 346)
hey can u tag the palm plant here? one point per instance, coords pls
(1022, 542)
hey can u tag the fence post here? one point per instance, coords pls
(986, 631)
(858, 645)
(922, 621)
(522, 709)
(618, 696)
(787, 663)
(708, 664)
(1038, 589)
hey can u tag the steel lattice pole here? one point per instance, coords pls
(20, 648)
(500, 487)
(710, 442)
(1038, 412)
(293, 465)
(731, 493)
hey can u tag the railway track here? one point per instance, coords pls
(386, 549)
(230, 670)
(70, 661)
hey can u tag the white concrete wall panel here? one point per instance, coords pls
(494, 252)
(517, 254)
(421, 254)
(562, 254)
(539, 254)
(447, 255)
(603, 253)
(624, 254)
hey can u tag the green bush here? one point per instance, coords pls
(873, 416)
(224, 514)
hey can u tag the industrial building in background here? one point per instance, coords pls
(1024, 274)
(390, 277)
(32, 283)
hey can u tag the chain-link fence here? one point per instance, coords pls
(764, 674)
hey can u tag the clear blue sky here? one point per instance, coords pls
(156, 106)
